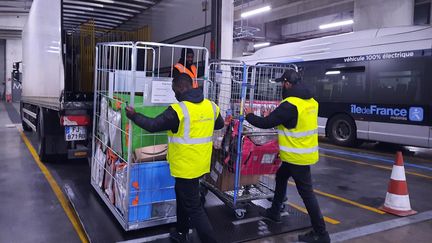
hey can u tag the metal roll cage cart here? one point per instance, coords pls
(250, 154)
(129, 170)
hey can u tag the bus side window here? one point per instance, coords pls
(346, 84)
(398, 81)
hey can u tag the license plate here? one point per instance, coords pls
(75, 133)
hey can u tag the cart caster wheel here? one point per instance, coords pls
(240, 213)
(283, 207)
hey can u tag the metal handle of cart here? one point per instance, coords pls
(239, 138)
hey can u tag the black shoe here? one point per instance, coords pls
(282, 209)
(311, 236)
(272, 215)
(179, 237)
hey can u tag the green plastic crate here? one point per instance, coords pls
(140, 137)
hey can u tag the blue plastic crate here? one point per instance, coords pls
(150, 182)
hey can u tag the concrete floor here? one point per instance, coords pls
(350, 183)
(419, 233)
(29, 210)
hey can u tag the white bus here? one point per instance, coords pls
(372, 85)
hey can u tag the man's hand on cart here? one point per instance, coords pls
(248, 110)
(228, 120)
(130, 111)
(266, 112)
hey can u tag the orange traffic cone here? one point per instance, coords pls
(397, 200)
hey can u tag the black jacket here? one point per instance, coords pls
(285, 114)
(168, 120)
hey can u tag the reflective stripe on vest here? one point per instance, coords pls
(298, 150)
(182, 69)
(299, 145)
(190, 148)
(186, 139)
(297, 134)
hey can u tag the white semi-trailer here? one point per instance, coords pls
(51, 104)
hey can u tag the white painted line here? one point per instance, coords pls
(245, 221)
(10, 125)
(149, 238)
(254, 219)
(379, 227)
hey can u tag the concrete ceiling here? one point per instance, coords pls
(293, 20)
(107, 14)
(10, 11)
(16, 7)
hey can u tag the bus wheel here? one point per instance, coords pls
(342, 130)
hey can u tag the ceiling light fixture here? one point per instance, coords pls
(263, 44)
(336, 24)
(332, 72)
(255, 11)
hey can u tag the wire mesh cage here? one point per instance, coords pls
(243, 155)
(129, 168)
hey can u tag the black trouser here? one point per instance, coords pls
(303, 179)
(190, 211)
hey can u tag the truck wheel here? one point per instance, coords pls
(41, 135)
(42, 150)
(342, 130)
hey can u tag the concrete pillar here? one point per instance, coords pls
(227, 26)
(13, 54)
(226, 52)
(370, 14)
(2, 67)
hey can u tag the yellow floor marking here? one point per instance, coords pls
(302, 209)
(373, 165)
(57, 191)
(375, 210)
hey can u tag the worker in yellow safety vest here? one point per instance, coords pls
(296, 120)
(185, 65)
(190, 125)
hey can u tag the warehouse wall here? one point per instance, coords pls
(12, 22)
(171, 18)
(369, 14)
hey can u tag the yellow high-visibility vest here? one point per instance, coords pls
(190, 148)
(300, 145)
